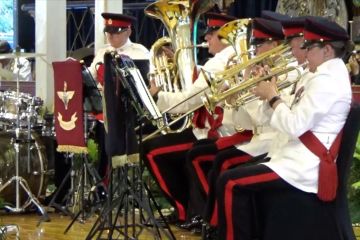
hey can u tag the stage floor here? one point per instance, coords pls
(54, 229)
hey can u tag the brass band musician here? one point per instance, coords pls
(165, 155)
(320, 110)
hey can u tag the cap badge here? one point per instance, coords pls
(110, 22)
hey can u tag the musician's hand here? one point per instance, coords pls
(259, 71)
(266, 89)
(153, 88)
(168, 51)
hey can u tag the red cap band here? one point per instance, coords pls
(291, 31)
(216, 22)
(259, 34)
(310, 36)
(117, 23)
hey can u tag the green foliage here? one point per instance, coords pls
(93, 151)
(155, 190)
(354, 181)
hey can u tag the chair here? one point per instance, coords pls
(297, 215)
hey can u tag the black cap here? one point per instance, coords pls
(115, 22)
(319, 29)
(270, 15)
(5, 47)
(293, 27)
(265, 30)
(216, 20)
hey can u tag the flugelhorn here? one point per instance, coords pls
(243, 89)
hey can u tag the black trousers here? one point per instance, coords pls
(165, 158)
(237, 191)
(199, 163)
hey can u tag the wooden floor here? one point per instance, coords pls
(54, 229)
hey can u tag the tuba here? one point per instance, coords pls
(175, 73)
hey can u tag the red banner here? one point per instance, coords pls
(68, 110)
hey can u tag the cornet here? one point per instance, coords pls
(243, 89)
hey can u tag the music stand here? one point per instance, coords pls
(131, 191)
(92, 95)
(144, 67)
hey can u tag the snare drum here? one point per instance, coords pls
(36, 175)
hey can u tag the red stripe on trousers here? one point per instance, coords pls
(226, 165)
(266, 177)
(159, 151)
(201, 175)
(234, 161)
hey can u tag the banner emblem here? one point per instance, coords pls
(65, 96)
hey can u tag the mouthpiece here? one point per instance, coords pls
(203, 45)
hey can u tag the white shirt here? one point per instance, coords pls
(23, 68)
(322, 109)
(259, 116)
(169, 99)
(133, 50)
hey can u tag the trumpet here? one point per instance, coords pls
(243, 89)
(219, 78)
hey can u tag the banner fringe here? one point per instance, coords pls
(71, 148)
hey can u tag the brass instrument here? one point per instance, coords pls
(175, 15)
(243, 89)
(218, 79)
(175, 73)
(236, 34)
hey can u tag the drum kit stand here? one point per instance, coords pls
(20, 182)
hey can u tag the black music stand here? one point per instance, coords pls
(131, 191)
(144, 67)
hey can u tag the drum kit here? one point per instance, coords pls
(23, 160)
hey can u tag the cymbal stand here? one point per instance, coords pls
(20, 181)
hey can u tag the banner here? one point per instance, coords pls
(68, 111)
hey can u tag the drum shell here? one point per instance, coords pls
(36, 177)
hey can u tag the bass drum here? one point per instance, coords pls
(32, 165)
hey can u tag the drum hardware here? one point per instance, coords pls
(85, 176)
(82, 179)
(20, 182)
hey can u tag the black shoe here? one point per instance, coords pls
(195, 222)
(209, 232)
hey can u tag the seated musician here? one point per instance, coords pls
(165, 155)
(206, 162)
(13, 67)
(319, 111)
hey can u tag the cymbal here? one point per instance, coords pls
(20, 54)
